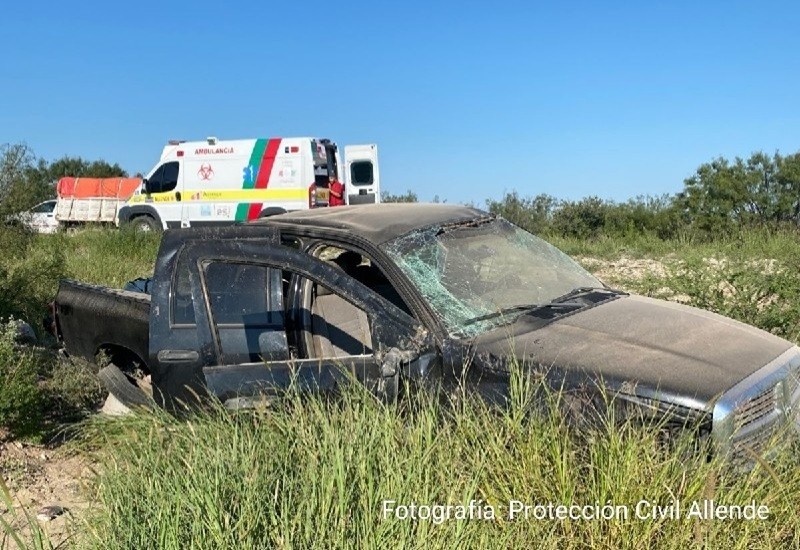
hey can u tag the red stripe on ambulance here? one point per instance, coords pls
(264, 173)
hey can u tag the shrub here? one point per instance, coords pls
(72, 390)
(30, 267)
(761, 292)
(20, 397)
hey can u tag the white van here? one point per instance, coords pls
(221, 182)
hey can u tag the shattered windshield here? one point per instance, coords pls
(478, 276)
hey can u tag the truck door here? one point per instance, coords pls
(163, 192)
(362, 176)
(180, 344)
(253, 328)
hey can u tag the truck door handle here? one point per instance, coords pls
(177, 356)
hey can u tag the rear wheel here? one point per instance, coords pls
(123, 389)
(145, 224)
(125, 377)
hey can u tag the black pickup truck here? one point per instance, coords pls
(431, 294)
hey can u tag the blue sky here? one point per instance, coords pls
(466, 100)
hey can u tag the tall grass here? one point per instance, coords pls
(314, 473)
(109, 257)
(747, 244)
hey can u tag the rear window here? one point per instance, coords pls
(361, 173)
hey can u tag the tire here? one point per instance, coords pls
(129, 394)
(144, 224)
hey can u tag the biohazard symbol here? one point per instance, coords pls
(205, 172)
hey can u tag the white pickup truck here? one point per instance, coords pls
(40, 218)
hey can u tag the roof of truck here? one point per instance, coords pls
(377, 223)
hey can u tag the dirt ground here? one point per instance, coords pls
(39, 476)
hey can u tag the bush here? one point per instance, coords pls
(30, 268)
(533, 214)
(72, 390)
(760, 291)
(20, 396)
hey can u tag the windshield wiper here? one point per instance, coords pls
(575, 292)
(530, 308)
(557, 303)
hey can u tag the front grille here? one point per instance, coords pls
(755, 422)
(754, 409)
(759, 409)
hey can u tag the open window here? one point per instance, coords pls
(363, 270)
(247, 311)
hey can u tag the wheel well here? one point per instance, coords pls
(127, 360)
(272, 211)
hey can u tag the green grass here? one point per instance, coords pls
(748, 244)
(109, 257)
(315, 474)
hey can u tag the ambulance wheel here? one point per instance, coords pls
(145, 224)
(271, 211)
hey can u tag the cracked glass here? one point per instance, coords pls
(474, 270)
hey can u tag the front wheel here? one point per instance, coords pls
(145, 224)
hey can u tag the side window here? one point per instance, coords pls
(246, 302)
(362, 270)
(182, 301)
(331, 325)
(337, 328)
(170, 176)
(238, 293)
(361, 173)
(165, 178)
(44, 208)
(154, 181)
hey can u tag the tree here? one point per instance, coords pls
(534, 214)
(409, 196)
(761, 191)
(20, 183)
(26, 180)
(78, 167)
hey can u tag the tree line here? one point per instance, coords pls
(720, 198)
(26, 180)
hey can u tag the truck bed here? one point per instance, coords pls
(91, 318)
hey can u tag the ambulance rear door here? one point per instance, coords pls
(362, 177)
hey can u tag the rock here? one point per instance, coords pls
(113, 407)
(48, 513)
(25, 333)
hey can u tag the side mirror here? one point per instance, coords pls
(146, 186)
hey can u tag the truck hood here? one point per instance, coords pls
(691, 354)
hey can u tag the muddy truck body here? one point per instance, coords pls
(442, 296)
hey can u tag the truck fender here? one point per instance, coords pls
(272, 211)
(127, 213)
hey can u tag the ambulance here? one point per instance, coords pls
(201, 183)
